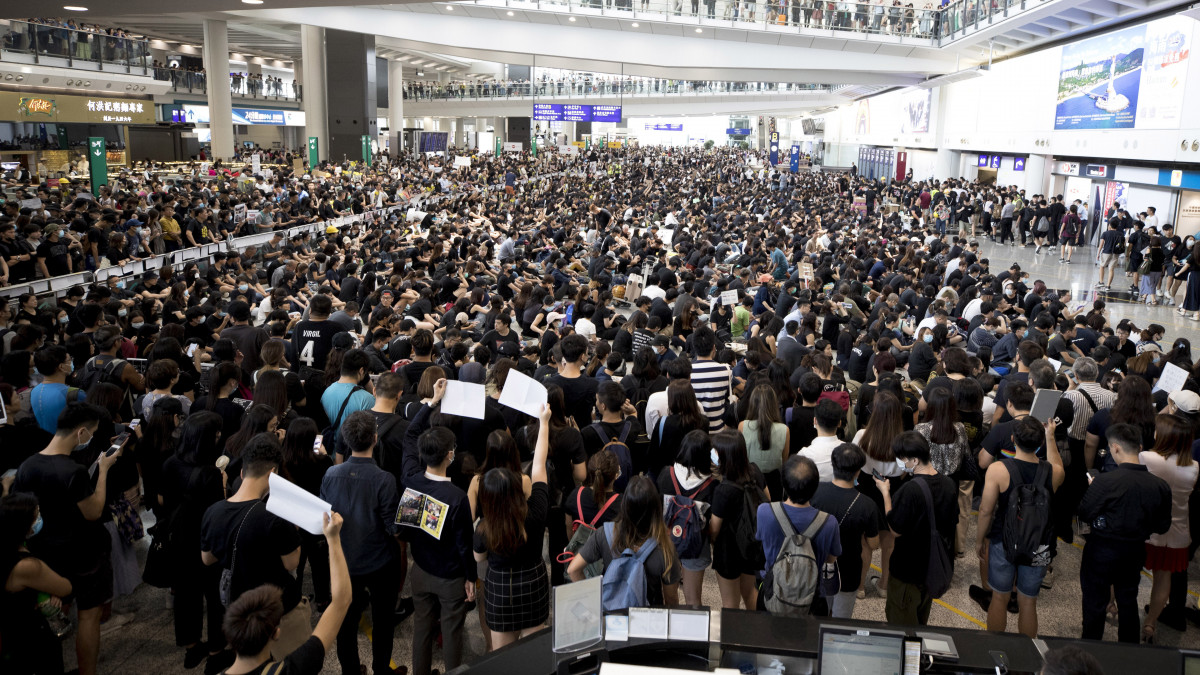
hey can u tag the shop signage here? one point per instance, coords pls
(68, 109)
(1095, 171)
(1067, 168)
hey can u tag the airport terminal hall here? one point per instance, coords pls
(599, 337)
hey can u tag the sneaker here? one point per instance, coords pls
(1048, 580)
(980, 595)
(195, 655)
(881, 591)
(861, 593)
(1066, 262)
(1061, 261)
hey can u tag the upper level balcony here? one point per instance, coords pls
(57, 46)
(594, 86)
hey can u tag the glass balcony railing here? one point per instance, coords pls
(592, 87)
(196, 82)
(53, 44)
(937, 22)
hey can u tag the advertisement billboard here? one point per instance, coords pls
(1132, 78)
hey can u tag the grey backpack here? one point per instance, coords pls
(791, 584)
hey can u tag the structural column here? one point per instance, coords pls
(312, 79)
(350, 94)
(220, 101)
(396, 106)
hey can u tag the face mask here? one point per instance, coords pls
(186, 295)
(37, 526)
(716, 459)
(1025, 334)
(122, 312)
(137, 324)
(83, 445)
(905, 469)
(221, 314)
(62, 233)
(243, 287)
(63, 320)
(928, 337)
(121, 285)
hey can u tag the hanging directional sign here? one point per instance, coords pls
(98, 161)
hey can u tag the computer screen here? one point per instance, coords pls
(1191, 663)
(860, 652)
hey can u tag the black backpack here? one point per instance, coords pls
(94, 373)
(1028, 534)
(745, 531)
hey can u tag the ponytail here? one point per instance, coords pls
(602, 470)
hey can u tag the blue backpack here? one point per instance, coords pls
(684, 518)
(624, 583)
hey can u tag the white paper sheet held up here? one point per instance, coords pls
(523, 393)
(465, 399)
(729, 298)
(1172, 379)
(296, 505)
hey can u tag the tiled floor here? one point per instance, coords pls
(147, 644)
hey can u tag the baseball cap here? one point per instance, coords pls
(51, 228)
(764, 278)
(1185, 401)
(508, 349)
(552, 317)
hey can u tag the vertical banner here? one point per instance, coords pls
(62, 138)
(313, 155)
(98, 161)
(774, 148)
(533, 146)
(366, 149)
(795, 158)
(256, 164)
(498, 146)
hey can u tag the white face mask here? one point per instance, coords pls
(903, 467)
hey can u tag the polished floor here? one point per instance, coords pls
(146, 645)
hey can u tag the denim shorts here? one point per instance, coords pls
(701, 563)
(1001, 573)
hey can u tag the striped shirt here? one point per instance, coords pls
(711, 380)
(1102, 397)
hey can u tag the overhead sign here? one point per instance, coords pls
(664, 127)
(737, 131)
(199, 114)
(983, 162)
(97, 163)
(1095, 171)
(774, 150)
(1018, 164)
(566, 112)
(1067, 168)
(994, 162)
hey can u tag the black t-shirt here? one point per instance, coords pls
(60, 483)
(264, 540)
(419, 309)
(909, 518)
(314, 340)
(413, 372)
(199, 231)
(582, 497)
(579, 394)
(55, 255)
(857, 517)
(728, 504)
(802, 427)
(530, 552)
(493, 339)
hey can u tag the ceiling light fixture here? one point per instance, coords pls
(634, 24)
(449, 8)
(699, 30)
(571, 18)
(74, 8)
(253, 2)
(510, 12)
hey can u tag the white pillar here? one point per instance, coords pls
(312, 49)
(220, 103)
(396, 106)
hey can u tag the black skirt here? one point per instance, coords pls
(516, 599)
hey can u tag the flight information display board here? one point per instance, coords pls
(569, 112)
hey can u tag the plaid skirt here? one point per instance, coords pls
(516, 599)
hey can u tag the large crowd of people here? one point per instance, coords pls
(776, 353)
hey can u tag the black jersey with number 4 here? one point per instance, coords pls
(313, 340)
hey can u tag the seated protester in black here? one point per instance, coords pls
(252, 621)
(639, 520)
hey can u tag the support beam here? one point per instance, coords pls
(1035, 30)
(1054, 23)
(220, 99)
(1078, 16)
(1133, 4)
(1103, 8)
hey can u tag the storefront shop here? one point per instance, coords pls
(49, 131)
(264, 127)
